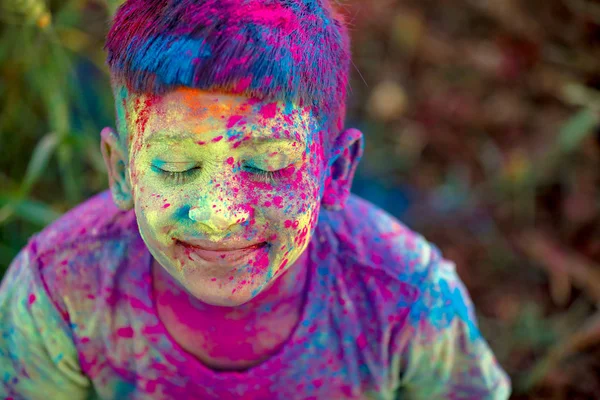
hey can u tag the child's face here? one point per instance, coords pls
(226, 189)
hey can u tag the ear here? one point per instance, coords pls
(116, 164)
(346, 154)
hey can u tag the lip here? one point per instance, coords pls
(219, 254)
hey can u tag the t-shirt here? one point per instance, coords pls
(384, 317)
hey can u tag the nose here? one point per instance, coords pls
(219, 218)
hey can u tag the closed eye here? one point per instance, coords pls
(266, 176)
(176, 176)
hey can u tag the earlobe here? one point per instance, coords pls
(346, 154)
(116, 165)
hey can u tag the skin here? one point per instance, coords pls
(226, 172)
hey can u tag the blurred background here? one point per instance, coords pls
(483, 133)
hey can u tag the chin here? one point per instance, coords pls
(221, 295)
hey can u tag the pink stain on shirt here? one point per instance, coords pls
(361, 341)
(125, 332)
(311, 364)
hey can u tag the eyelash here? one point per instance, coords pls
(182, 176)
(265, 176)
(176, 177)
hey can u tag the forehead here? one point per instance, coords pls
(185, 111)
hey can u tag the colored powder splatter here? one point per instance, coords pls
(278, 200)
(125, 332)
(233, 120)
(268, 111)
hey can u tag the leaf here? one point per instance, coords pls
(112, 5)
(27, 11)
(91, 148)
(576, 129)
(70, 174)
(39, 161)
(35, 212)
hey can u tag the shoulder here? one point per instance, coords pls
(78, 253)
(374, 241)
(94, 219)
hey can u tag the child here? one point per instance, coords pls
(231, 262)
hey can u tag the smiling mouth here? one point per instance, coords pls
(223, 255)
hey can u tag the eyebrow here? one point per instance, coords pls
(256, 140)
(259, 140)
(161, 135)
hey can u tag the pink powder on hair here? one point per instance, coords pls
(242, 85)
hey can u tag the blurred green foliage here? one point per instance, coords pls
(55, 97)
(486, 116)
(482, 125)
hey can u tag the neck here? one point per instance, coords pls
(232, 338)
(286, 291)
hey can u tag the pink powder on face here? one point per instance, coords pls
(283, 264)
(268, 111)
(217, 139)
(278, 201)
(167, 205)
(31, 299)
(239, 142)
(230, 161)
(144, 111)
(233, 120)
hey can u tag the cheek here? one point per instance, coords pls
(296, 213)
(295, 194)
(154, 202)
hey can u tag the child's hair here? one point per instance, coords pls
(294, 50)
